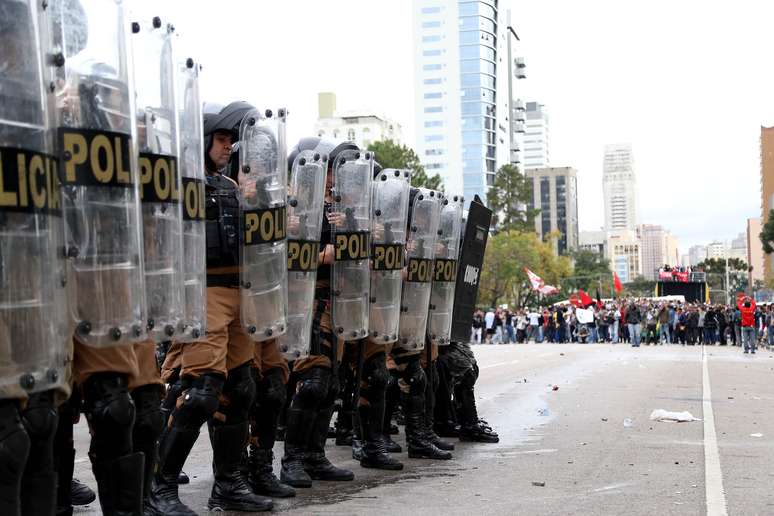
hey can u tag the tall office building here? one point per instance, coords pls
(462, 119)
(619, 186)
(658, 248)
(696, 255)
(767, 187)
(624, 250)
(536, 136)
(555, 194)
(755, 255)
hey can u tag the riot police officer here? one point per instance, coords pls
(215, 379)
(309, 414)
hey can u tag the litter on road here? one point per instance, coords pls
(679, 417)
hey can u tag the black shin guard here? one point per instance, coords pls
(38, 492)
(14, 448)
(147, 428)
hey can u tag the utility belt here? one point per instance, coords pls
(223, 280)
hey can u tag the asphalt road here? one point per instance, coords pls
(574, 442)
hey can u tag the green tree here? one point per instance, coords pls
(509, 198)
(591, 271)
(503, 279)
(716, 274)
(392, 155)
(639, 287)
(718, 265)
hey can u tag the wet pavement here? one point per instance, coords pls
(569, 451)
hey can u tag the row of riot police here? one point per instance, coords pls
(130, 221)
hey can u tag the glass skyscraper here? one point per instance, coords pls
(461, 124)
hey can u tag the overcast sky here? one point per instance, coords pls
(688, 83)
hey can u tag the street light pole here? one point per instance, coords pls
(728, 287)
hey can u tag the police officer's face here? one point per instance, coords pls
(220, 151)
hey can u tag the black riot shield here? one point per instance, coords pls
(469, 268)
(390, 196)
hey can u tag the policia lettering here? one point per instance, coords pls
(28, 181)
(351, 246)
(193, 199)
(94, 158)
(303, 255)
(420, 270)
(159, 178)
(387, 257)
(445, 270)
(264, 226)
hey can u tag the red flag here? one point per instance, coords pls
(574, 301)
(585, 299)
(617, 283)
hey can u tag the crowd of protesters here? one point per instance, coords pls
(632, 321)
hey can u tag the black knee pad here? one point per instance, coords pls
(110, 411)
(414, 377)
(40, 416)
(313, 387)
(468, 380)
(148, 420)
(239, 390)
(200, 401)
(271, 391)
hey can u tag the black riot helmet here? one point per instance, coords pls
(325, 146)
(225, 120)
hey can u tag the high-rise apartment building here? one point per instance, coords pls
(755, 255)
(595, 241)
(555, 194)
(767, 186)
(462, 105)
(716, 251)
(659, 248)
(619, 186)
(536, 136)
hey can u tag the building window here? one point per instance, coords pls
(434, 138)
(431, 25)
(429, 67)
(434, 123)
(351, 135)
(432, 81)
(435, 95)
(431, 39)
(431, 10)
(434, 109)
(433, 166)
(431, 53)
(434, 152)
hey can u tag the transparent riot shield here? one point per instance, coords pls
(262, 179)
(98, 170)
(420, 250)
(154, 78)
(306, 195)
(445, 271)
(32, 301)
(192, 198)
(350, 284)
(390, 196)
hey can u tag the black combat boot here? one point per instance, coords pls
(316, 463)
(231, 491)
(297, 432)
(14, 448)
(429, 422)
(417, 438)
(374, 451)
(120, 484)
(391, 396)
(261, 475)
(148, 424)
(163, 499)
(472, 428)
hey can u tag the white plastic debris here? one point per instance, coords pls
(628, 423)
(679, 417)
(756, 435)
